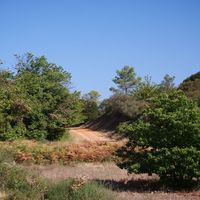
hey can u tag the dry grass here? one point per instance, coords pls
(84, 146)
(124, 186)
(52, 152)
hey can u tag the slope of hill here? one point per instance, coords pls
(191, 87)
(107, 122)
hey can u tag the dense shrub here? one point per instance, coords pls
(123, 104)
(91, 110)
(91, 105)
(165, 140)
(35, 102)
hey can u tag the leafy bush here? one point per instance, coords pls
(36, 102)
(91, 110)
(146, 89)
(91, 105)
(123, 104)
(165, 140)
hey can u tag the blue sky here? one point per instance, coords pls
(93, 38)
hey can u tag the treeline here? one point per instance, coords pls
(132, 93)
(129, 98)
(36, 103)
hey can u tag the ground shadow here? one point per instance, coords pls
(142, 186)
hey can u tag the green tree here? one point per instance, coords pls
(93, 95)
(123, 104)
(43, 84)
(36, 101)
(91, 105)
(73, 109)
(13, 108)
(165, 140)
(167, 84)
(126, 80)
(146, 89)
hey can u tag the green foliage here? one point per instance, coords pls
(13, 108)
(165, 140)
(146, 89)
(36, 102)
(93, 95)
(123, 104)
(126, 80)
(72, 110)
(23, 185)
(91, 110)
(20, 184)
(91, 105)
(167, 84)
(71, 190)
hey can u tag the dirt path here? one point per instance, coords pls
(81, 134)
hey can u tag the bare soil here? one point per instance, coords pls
(125, 186)
(2, 195)
(85, 134)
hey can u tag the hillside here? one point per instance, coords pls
(191, 87)
(107, 122)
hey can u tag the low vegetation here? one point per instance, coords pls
(60, 152)
(78, 190)
(17, 183)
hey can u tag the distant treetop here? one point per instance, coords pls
(126, 80)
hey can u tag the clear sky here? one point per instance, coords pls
(93, 38)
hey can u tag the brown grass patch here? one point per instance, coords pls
(48, 153)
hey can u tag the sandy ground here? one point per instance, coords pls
(125, 187)
(81, 134)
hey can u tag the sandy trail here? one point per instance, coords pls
(81, 134)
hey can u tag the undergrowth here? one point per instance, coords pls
(21, 185)
(60, 152)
